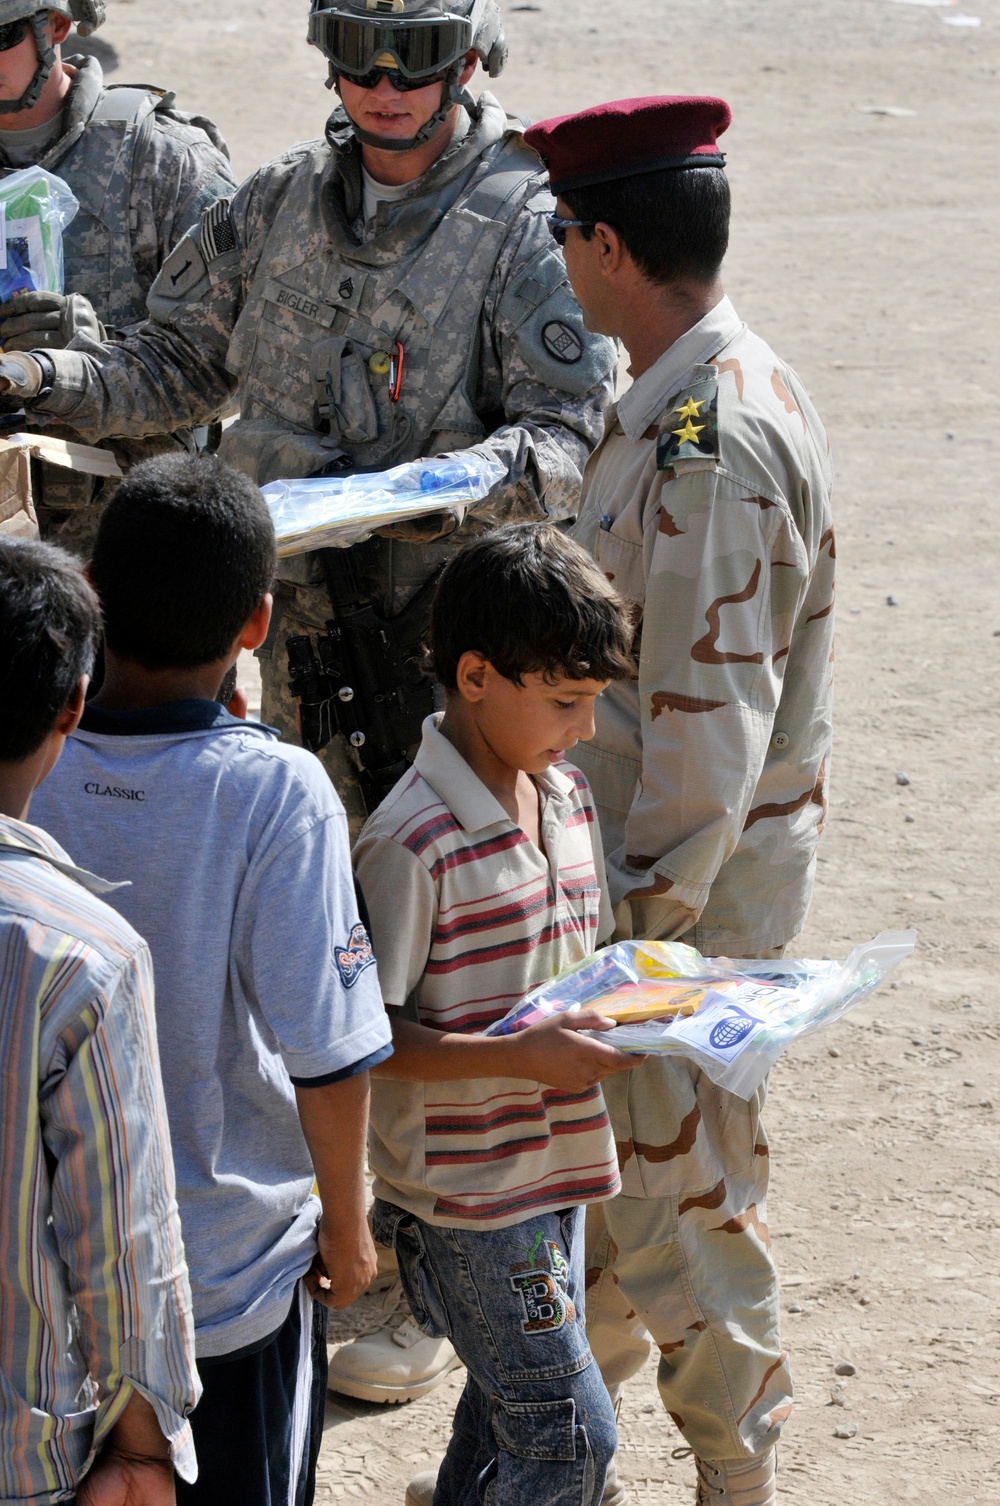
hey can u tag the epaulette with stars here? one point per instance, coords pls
(689, 429)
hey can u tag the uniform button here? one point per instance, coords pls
(780, 741)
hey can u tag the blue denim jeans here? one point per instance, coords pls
(534, 1423)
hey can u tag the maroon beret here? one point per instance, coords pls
(630, 136)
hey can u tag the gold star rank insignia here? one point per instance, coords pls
(689, 433)
(696, 438)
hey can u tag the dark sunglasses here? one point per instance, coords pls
(559, 226)
(400, 81)
(13, 33)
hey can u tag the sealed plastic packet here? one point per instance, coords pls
(733, 1018)
(321, 512)
(35, 209)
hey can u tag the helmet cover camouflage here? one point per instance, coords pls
(88, 14)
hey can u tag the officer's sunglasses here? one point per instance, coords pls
(13, 33)
(559, 227)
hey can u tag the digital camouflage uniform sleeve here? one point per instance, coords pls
(181, 171)
(545, 377)
(171, 372)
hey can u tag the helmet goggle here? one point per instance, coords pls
(424, 48)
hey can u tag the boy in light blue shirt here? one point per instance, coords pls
(268, 1006)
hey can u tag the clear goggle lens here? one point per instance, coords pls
(422, 48)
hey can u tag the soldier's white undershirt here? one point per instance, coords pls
(376, 192)
(23, 148)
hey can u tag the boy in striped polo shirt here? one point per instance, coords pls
(484, 876)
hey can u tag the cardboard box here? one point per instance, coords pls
(17, 505)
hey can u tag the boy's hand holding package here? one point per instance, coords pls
(555, 1053)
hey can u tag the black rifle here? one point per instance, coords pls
(363, 676)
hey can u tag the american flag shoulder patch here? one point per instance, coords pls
(218, 232)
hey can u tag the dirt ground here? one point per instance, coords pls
(863, 161)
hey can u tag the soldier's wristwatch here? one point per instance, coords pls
(48, 370)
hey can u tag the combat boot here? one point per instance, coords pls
(394, 1360)
(733, 1482)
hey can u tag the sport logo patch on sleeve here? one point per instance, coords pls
(353, 958)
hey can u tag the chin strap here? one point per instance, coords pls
(46, 61)
(452, 93)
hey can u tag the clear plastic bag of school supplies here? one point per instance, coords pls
(322, 512)
(35, 208)
(733, 1018)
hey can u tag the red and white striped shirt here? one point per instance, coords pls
(467, 915)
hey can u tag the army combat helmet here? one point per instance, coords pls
(88, 15)
(416, 42)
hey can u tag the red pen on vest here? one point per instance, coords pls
(396, 373)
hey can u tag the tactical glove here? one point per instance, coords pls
(21, 379)
(47, 321)
(433, 525)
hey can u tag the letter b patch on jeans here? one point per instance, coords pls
(547, 1304)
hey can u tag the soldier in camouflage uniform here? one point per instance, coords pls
(300, 289)
(415, 229)
(708, 505)
(143, 173)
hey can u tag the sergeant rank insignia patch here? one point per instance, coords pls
(689, 429)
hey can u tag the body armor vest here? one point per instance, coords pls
(98, 166)
(312, 345)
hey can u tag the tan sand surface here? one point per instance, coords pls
(866, 251)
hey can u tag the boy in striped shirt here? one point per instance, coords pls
(484, 876)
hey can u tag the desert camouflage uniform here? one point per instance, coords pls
(708, 505)
(143, 173)
(289, 295)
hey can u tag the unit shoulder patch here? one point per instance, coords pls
(183, 269)
(689, 429)
(562, 343)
